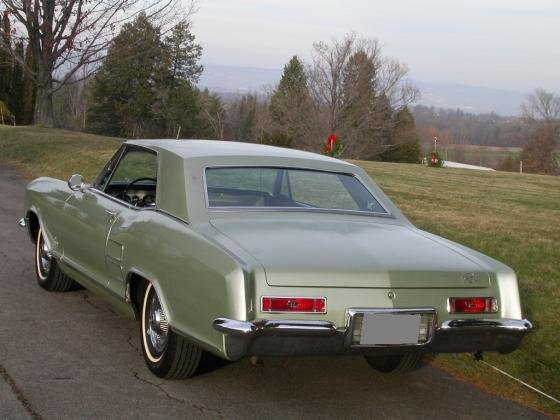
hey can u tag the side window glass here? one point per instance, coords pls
(135, 178)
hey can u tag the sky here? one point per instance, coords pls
(506, 44)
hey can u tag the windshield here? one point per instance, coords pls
(264, 187)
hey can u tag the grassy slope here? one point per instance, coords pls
(513, 218)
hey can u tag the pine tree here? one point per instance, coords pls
(180, 105)
(290, 107)
(16, 90)
(359, 123)
(405, 146)
(183, 53)
(149, 92)
(125, 101)
(29, 90)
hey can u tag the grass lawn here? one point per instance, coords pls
(511, 217)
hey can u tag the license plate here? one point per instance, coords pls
(390, 329)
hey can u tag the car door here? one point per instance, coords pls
(92, 213)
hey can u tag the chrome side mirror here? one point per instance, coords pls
(76, 182)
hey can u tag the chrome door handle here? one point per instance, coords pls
(111, 214)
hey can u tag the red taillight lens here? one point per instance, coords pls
(473, 305)
(294, 304)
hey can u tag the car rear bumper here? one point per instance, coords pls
(299, 337)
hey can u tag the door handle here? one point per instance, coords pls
(111, 214)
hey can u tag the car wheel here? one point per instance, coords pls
(49, 276)
(167, 354)
(397, 363)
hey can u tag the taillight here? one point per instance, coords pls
(473, 305)
(294, 304)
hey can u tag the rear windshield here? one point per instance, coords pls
(264, 187)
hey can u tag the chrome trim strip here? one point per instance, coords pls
(244, 328)
(22, 223)
(520, 325)
(94, 190)
(387, 213)
(412, 311)
(300, 210)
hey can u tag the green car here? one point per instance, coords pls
(248, 250)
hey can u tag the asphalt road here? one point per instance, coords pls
(68, 355)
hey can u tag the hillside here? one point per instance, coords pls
(514, 218)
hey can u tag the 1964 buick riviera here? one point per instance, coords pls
(240, 250)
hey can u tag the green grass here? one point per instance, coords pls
(514, 218)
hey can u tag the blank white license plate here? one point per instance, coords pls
(387, 329)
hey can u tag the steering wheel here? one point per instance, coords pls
(131, 183)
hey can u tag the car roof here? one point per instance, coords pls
(194, 148)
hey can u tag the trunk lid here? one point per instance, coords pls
(319, 253)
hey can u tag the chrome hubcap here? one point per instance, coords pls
(157, 327)
(44, 258)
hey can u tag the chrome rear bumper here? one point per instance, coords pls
(301, 337)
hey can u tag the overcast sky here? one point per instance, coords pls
(509, 44)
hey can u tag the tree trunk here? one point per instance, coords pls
(44, 109)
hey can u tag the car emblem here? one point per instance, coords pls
(469, 278)
(391, 295)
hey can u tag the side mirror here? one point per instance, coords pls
(76, 183)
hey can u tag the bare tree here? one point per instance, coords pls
(542, 113)
(213, 114)
(326, 80)
(69, 35)
(383, 81)
(542, 105)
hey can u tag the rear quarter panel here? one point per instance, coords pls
(196, 280)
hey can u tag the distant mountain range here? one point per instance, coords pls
(232, 81)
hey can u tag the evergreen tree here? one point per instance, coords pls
(183, 54)
(359, 123)
(181, 111)
(405, 146)
(29, 90)
(125, 101)
(149, 93)
(6, 62)
(290, 107)
(180, 105)
(16, 89)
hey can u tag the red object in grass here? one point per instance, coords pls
(330, 143)
(435, 159)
